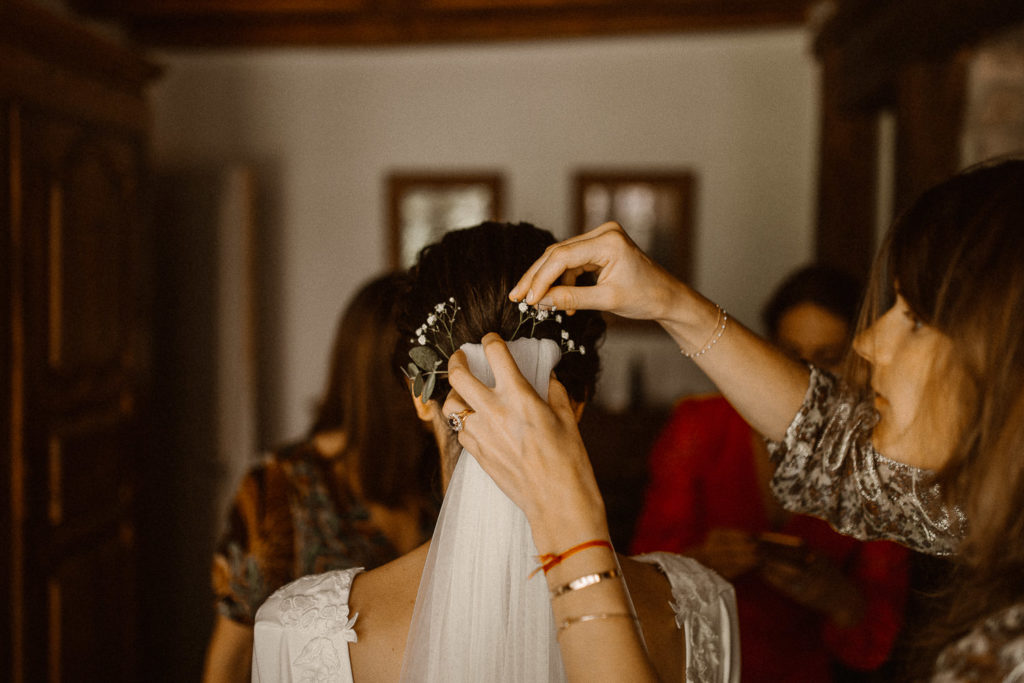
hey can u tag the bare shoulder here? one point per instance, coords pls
(384, 599)
(651, 593)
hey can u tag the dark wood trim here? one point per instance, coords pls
(56, 65)
(847, 182)
(931, 102)
(874, 38)
(30, 29)
(361, 22)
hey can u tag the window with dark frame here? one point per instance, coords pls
(655, 208)
(423, 206)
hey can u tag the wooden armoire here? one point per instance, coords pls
(74, 315)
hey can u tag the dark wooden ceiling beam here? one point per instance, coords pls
(361, 22)
(872, 39)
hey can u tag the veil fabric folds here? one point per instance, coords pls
(477, 617)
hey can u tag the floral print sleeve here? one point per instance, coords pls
(292, 517)
(827, 467)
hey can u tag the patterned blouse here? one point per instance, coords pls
(292, 517)
(826, 466)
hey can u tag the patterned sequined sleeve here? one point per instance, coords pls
(826, 467)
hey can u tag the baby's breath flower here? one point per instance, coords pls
(565, 335)
(542, 316)
(422, 340)
(570, 344)
(583, 350)
(439, 308)
(431, 319)
(522, 307)
(558, 318)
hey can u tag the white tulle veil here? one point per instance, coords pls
(477, 616)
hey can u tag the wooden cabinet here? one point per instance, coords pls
(73, 375)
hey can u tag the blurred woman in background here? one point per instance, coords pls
(361, 489)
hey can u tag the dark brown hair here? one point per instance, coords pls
(477, 267)
(834, 290)
(957, 256)
(367, 400)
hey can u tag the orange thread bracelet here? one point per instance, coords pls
(549, 560)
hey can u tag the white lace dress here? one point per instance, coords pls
(302, 631)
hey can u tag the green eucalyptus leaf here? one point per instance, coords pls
(412, 370)
(417, 385)
(424, 356)
(428, 387)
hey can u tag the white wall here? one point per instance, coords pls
(326, 125)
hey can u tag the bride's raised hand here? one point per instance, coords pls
(629, 283)
(532, 449)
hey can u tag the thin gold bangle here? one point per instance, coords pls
(584, 581)
(593, 617)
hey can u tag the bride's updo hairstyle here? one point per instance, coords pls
(477, 267)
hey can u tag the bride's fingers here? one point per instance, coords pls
(469, 390)
(503, 365)
(453, 404)
(558, 397)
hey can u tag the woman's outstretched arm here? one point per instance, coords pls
(762, 383)
(533, 451)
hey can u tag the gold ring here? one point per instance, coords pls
(457, 421)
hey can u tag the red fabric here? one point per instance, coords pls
(702, 476)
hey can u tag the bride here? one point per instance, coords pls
(472, 604)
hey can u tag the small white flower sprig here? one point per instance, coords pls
(430, 354)
(434, 343)
(536, 316)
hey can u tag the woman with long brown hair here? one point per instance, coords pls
(356, 491)
(925, 445)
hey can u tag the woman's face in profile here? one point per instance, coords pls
(811, 333)
(914, 375)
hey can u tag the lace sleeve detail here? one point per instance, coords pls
(827, 467)
(302, 631)
(705, 608)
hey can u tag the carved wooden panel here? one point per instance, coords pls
(73, 378)
(90, 607)
(81, 297)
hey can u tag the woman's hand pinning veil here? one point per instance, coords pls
(532, 449)
(629, 283)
